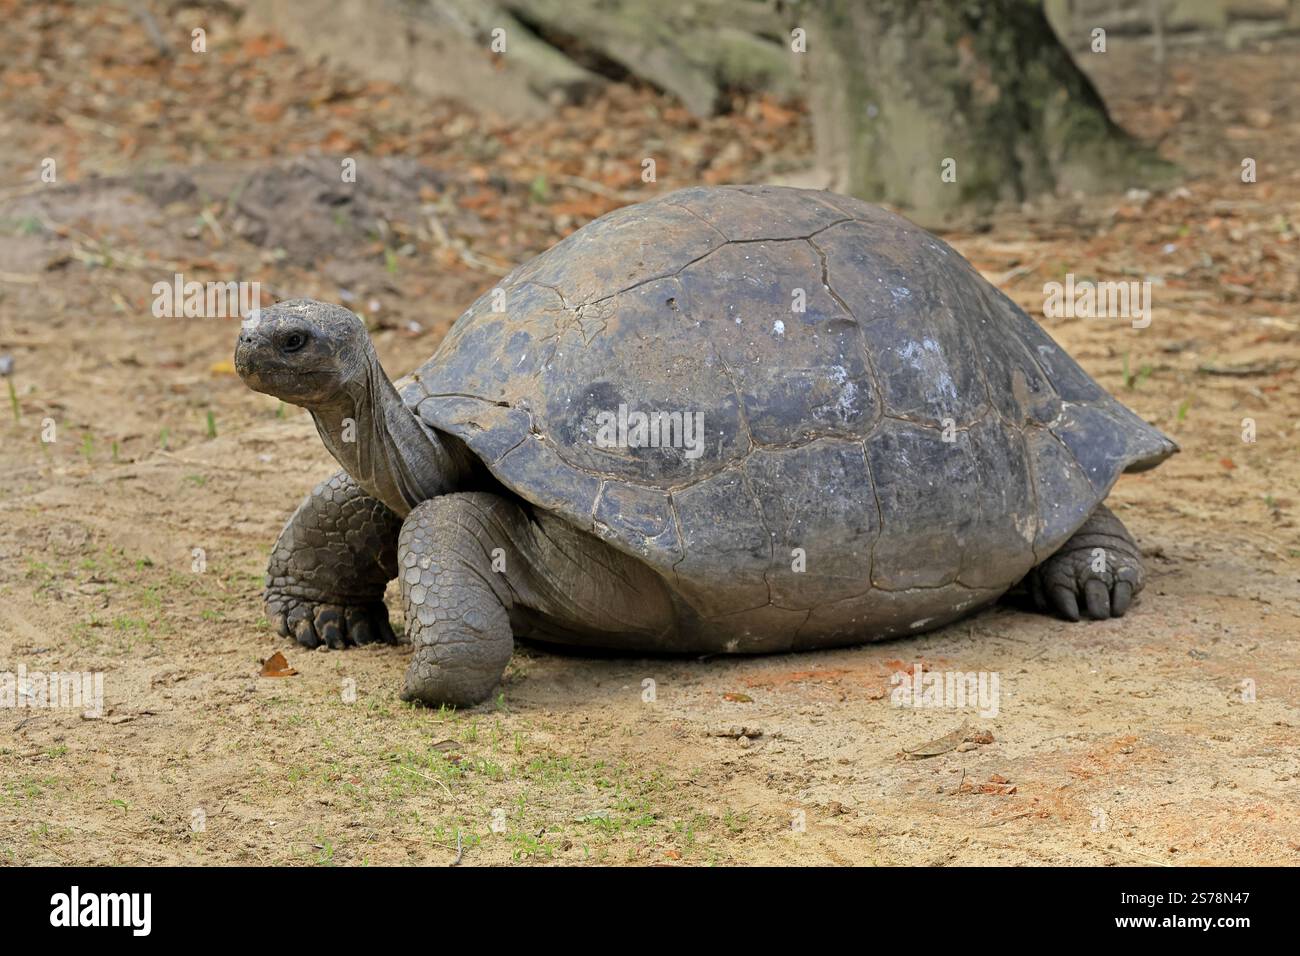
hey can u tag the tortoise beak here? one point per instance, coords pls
(246, 346)
(245, 352)
(250, 364)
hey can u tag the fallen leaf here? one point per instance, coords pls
(940, 745)
(277, 666)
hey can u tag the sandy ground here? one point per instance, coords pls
(1133, 741)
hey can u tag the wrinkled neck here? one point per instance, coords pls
(381, 443)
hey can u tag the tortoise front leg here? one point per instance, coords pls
(326, 577)
(472, 564)
(1100, 567)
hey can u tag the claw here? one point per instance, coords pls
(1064, 600)
(329, 626)
(336, 625)
(1097, 596)
(303, 631)
(1120, 597)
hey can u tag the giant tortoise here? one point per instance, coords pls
(727, 420)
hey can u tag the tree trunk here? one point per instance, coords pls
(941, 107)
(697, 51)
(945, 108)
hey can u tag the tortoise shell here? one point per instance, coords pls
(887, 440)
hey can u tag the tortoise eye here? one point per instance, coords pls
(293, 342)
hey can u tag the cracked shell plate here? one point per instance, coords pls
(829, 378)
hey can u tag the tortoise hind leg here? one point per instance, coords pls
(475, 568)
(1101, 564)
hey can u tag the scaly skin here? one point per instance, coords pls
(461, 610)
(326, 577)
(456, 606)
(1100, 564)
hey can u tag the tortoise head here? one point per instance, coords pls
(304, 352)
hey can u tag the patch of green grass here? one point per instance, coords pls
(326, 855)
(151, 598)
(529, 846)
(685, 831)
(1133, 380)
(735, 822)
(628, 814)
(40, 569)
(539, 189)
(550, 770)
(488, 769)
(29, 789)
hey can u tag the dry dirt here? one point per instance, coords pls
(1132, 741)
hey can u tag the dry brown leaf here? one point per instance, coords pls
(940, 745)
(277, 666)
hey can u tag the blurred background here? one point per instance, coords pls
(1141, 141)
